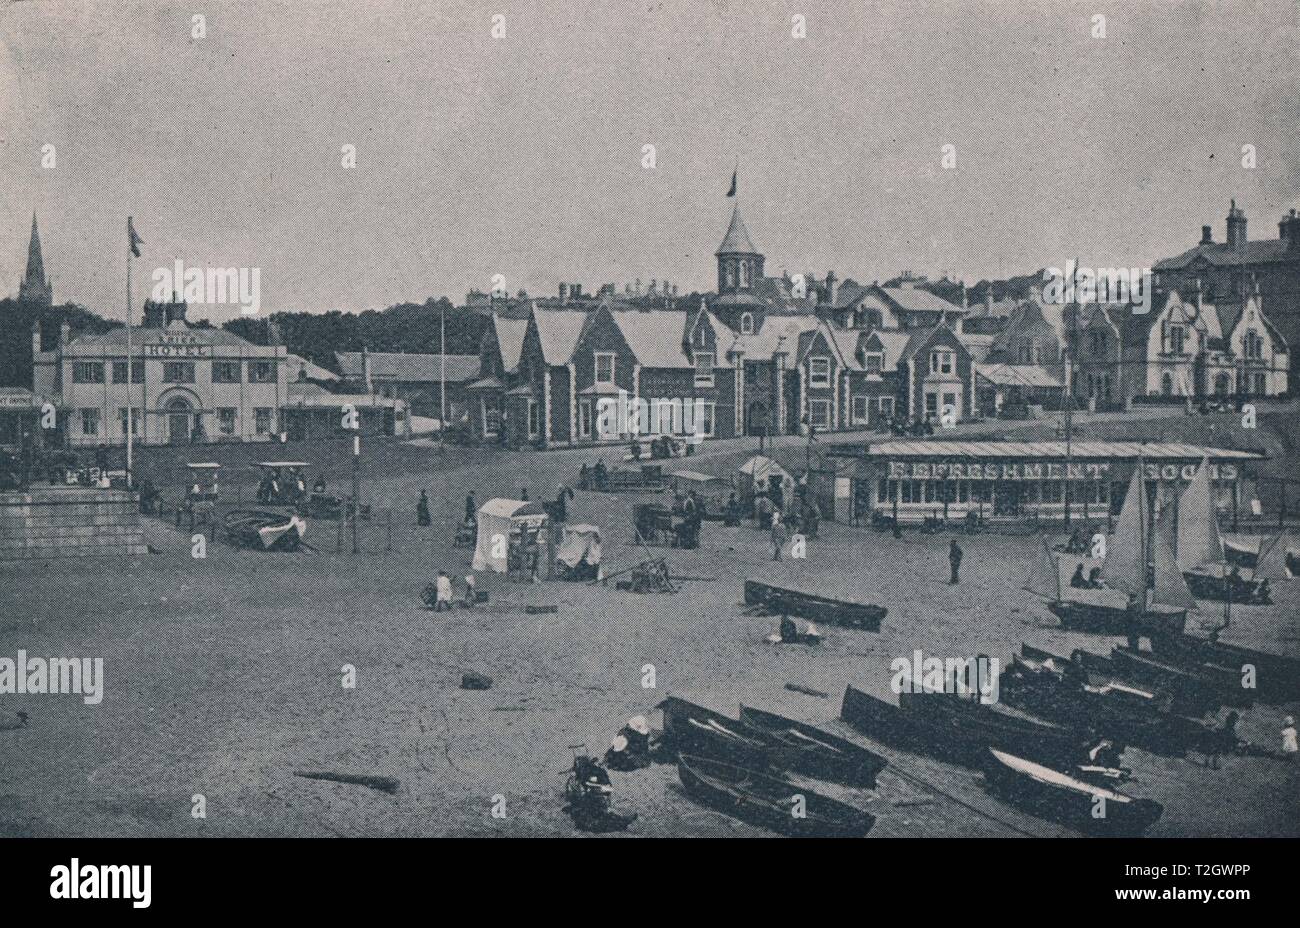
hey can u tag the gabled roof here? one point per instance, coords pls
(977, 343)
(558, 330)
(140, 335)
(654, 335)
(295, 363)
(388, 365)
(1220, 254)
(922, 337)
(892, 343)
(914, 299)
(736, 241)
(777, 333)
(510, 340)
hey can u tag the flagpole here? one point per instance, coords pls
(130, 363)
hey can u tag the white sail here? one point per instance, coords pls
(1272, 562)
(1125, 566)
(1169, 589)
(1198, 542)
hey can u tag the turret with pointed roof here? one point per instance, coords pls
(740, 264)
(35, 286)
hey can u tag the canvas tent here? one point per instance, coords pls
(579, 543)
(498, 519)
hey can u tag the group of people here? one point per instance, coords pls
(906, 425)
(595, 477)
(289, 488)
(1091, 582)
(444, 593)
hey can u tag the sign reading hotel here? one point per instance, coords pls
(178, 346)
(1012, 470)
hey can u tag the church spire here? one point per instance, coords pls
(35, 287)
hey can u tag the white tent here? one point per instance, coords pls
(759, 469)
(497, 519)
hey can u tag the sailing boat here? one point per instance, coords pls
(1139, 563)
(1199, 548)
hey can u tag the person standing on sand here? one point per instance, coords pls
(778, 535)
(444, 593)
(471, 508)
(954, 561)
(1289, 747)
(422, 510)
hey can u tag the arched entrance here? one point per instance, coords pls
(756, 420)
(178, 422)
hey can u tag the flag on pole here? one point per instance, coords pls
(134, 240)
(732, 191)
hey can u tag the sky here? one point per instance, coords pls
(522, 155)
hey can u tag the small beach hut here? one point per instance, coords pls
(498, 521)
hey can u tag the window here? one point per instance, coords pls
(1176, 339)
(950, 402)
(931, 405)
(860, 406)
(699, 416)
(88, 372)
(119, 372)
(709, 413)
(704, 368)
(1259, 384)
(941, 362)
(700, 338)
(604, 367)
(90, 422)
(178, 372)
(1167, 384)
(886, 405)
(819, 372)
(729, 271)
(135, 418)
(225, 372)
(225, 421)
(1254, 346)
(746, 323)
(534, 419)
(819, 414)
(584, 419)
(874, 362)
(262, 420)
(744, 273)
(261, 372)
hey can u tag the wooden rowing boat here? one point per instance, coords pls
(692, 729)
(1125, 715)
(813, 752)
(815, 608)
(769, 801)
(953, 729)
(1277, 677)
(1222, 685)
(1066, 799)
(264, 529)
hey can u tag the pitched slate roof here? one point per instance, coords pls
(558, 330)
(510, 340)
(654, 335)
(892, 343)
(777, 332)
(387, 365)
(206, 335)
(295, 363)
(1220, 254)
(736, 241)
(914, 299)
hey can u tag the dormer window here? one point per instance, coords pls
(873, 361)
(704, 368)
(699, 338)
(604, 367)
(941, 362)
(746, 323)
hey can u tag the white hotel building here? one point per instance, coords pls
(189, 384)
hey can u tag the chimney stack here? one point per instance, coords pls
(1207, 235)
(1288, 230)
(1236, 227)
(564, 293)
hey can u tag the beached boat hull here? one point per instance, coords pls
(814, 752)
(783, 601)
(1110, 620)
(265, 530)
(1205, 585)
(1277, 678)
(1219, 684)
(953, 733)
(692, 729)
(1066, 800)
(770, 802)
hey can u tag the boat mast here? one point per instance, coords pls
(1072, 309)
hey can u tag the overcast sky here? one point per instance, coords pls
(522, 155)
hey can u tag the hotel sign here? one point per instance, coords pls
(178, 346)
(1042, 470)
